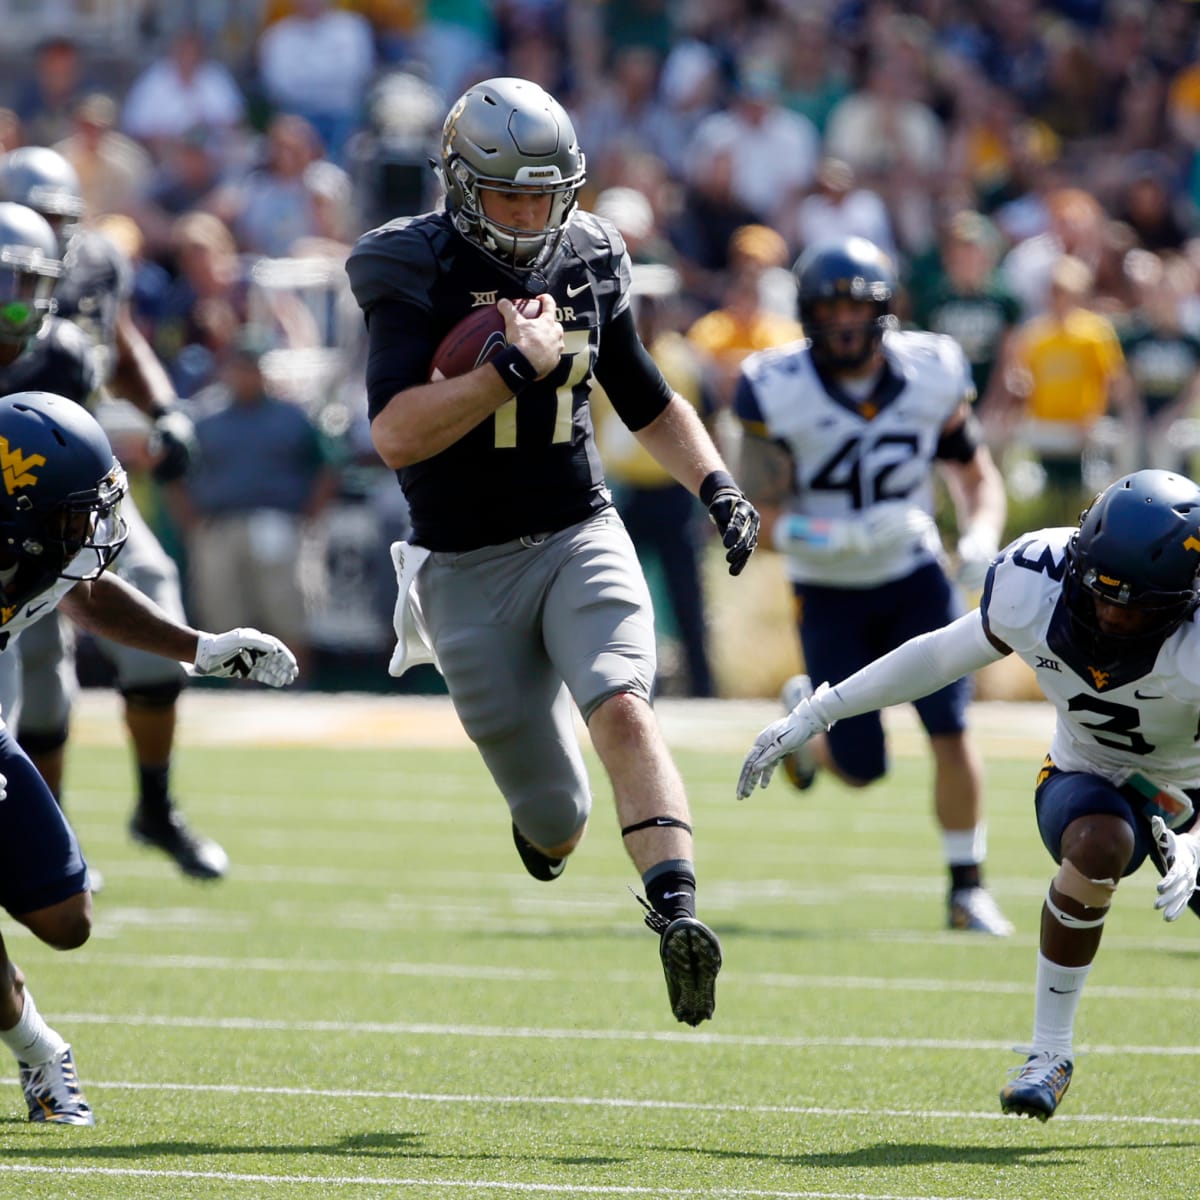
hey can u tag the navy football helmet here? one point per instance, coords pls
(847, 269)
(61, 497)
(1137, 547)
(29, 269)
(42, 179)
(510, 135)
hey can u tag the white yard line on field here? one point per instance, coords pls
(634, 1103)
(530, 1033)
(841, 983)
(543, 1189)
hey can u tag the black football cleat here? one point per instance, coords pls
(196, 856)
(540, 866)
(691, 959)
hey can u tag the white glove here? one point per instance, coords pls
(1181, 853)
(246, 654)
(895, 522)
(976, 549)
(779, 738)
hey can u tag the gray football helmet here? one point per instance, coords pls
(29, 269)
(508, 134)
(42, 179)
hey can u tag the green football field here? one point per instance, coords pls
(378, 1002)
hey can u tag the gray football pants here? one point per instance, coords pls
(523, 628)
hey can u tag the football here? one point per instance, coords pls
(478, 337)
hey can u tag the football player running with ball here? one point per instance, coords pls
(1105, 616)
(843, 435)
(520, 579)
(60, 528)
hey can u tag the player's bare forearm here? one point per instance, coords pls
(110, 607)
(766, 472)
(139, 377)
(422, 421)
(977, 488)
(678, 441)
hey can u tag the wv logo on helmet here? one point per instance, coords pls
(18, 470)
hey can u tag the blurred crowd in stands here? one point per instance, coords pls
(1032, 167)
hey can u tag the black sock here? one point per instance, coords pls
(966, 875)
(671, 892)
(155, 801)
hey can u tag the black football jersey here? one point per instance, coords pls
(59, 359)
(532, 466)
(97, 278)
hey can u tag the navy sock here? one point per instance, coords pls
(965, 875)
(153, 781)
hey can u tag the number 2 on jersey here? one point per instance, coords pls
(576, 347)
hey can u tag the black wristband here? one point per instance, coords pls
(515, 369)
(714, 481)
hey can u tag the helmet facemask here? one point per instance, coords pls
(89, 530)
(27, 282)
(520, 249)
(1160, 612)
(827, 336)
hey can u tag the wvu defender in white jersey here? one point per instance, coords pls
(1105, 615)
(842, 432)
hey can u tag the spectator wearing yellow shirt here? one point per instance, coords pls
(747, 320)
(1067, 371)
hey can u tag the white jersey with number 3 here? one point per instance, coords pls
(852, 453)
(1106, 726)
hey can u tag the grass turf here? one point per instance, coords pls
(378, 1002)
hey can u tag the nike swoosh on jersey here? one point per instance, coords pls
(35, 608)
(572, 292)
(1138, 695)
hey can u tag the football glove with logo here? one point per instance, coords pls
(781, 737)
(1181, 855)
(246, 654)
(734, 516)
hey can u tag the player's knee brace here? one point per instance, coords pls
(153, 695)
(1093, 894)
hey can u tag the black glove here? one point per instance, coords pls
(735, 517)
(171, 442)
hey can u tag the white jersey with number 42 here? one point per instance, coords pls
(854, 452)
